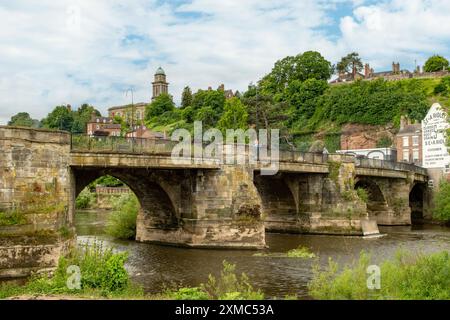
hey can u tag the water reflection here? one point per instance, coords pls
(154, 266)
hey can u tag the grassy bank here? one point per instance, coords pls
(406, 277)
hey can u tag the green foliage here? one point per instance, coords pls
(301, 252)
(442, 202)
(23, 119)
(103, 274)
(85, 200)
(350, 63)
(436, 63)
(13, 217)
(384, 142)
(362, 194)
(122, 221)
(372, 102)
(309, 65)
(408, 276)
(443, 87)
(63, 118)
(163, 103)
(230, 286)
(194, 293)
(332, 142)
(107, 181)
(234, 117)
(186, 97)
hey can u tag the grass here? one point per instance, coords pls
(11, 218)
(102, 275)
(406, 277)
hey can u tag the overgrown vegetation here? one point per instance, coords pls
(407, 276)
(122, 221)
(85, 200)
(12, 217)
(442, 202)
(229, 286)
(301, 252)
(103, 274)
(362, 194)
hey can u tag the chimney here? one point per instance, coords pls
(403, 122)
(397, 66)
(69, 107)
(367, 70)
(209, 88)
(221, 87)
(393, 67)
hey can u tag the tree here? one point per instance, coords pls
(186, 97)
(442, 202)
(350, 63)
(161, 104)
(82, 116)
(436, 63)
(234, 116)
(60, 118)
(23, 119)
(309, 65)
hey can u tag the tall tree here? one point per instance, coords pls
(60, 118)
(186, 97)
(23, 119)
(82, 116)
(161, 104)
(234, 116)
(309, 65)
(436, 63)
(350, 63)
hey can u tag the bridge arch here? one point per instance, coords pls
(417, 197)
(376, 201)
(158, 208)
(279, 206)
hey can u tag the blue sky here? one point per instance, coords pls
(59, 52)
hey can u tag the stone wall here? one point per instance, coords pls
(34, 193)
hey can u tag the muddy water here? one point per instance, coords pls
(153, 266)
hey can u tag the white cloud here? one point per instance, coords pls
(52, 55)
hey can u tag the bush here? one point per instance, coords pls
(102, 274)
(362, 194)
(301, 252)
(407, 276)
(230, 286)
(85, 199)
(122, 221)
(442, 202)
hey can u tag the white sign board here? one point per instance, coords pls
(434, 149)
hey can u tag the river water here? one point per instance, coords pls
(154, 266)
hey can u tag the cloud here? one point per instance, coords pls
(93, 51)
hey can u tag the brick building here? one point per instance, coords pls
(409, 142)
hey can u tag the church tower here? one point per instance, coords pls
(159, 84)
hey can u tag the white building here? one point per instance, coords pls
(388, 154)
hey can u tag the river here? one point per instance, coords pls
(154, 266)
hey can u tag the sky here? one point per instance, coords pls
(93, 51)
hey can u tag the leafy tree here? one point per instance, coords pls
(211, 98)
(60, 118)
(350, 63)
(436, 63)
(302, 96)
(23, 119)
(234, 116)
(207, 116)
(82, 116)
(161, 104)
(442, 202)
(186, 97)
(309, 65)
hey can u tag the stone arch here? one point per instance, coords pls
(376, 201)
(157, 207)
(279, 206)
(417, 201)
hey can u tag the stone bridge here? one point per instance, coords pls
(194, 204)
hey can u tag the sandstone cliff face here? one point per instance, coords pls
(358, 136)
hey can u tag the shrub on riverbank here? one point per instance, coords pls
(407, 276)
(85, 200)
(442, 202)
(122, 222)
(228, 286)
(102, 274)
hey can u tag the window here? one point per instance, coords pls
(138, 115)
(415, 154)
(415, 140)
(405, 141)
(406, 155)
